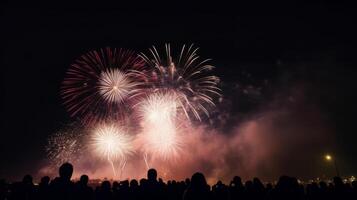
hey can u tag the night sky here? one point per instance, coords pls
(261, 53)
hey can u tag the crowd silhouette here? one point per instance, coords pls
(196, 188)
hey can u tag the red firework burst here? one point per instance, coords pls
(98, 85)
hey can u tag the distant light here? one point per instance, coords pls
(328, 157)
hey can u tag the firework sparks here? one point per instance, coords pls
(98, 83)
(158, 108)
(115, 85)
(185, 76)
(112, 143)
(64, 146)
(162, 143)
(160, 136)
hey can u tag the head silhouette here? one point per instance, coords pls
(134, 183)
(84, 179)
(115, 185)
(105, 186)
(237, 181)
(354, 184)
(152, 175)
(198, 180)
(337, 181)
(27, 179)
(65, 171)
(45, 180)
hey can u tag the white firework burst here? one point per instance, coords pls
(160, 136)
(115, 86)
(112, 142)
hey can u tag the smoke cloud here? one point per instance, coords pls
(287, 136)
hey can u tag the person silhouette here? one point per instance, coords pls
(65, 171)
(152, 188)
(259, 189)
(43, 188)
(45, 181)
(25, 189)
(152, 175)
(82, 190)
(198, 188)
(220, 191)
(104, 192)
(62, 187)
(236, 188)
(3, 189)
(134, 190)
(116, 190)
(124, 189)
(354, 189)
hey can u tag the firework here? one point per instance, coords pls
(98, 83)
(115, 85)
(187, 76)
(103, 87)
(112, 143)
(160, 136)
(158, 108)
(64, 146)
(161, 143)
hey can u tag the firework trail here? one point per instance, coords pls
(112, 143)
(185, 75)
(98, 83)
(64, 146)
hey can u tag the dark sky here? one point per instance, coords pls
(283, 43)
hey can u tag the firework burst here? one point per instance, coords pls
(115, 86)
(185, 75)
(112, 143)
(98, 83)
(160, 136)
(158, 108)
